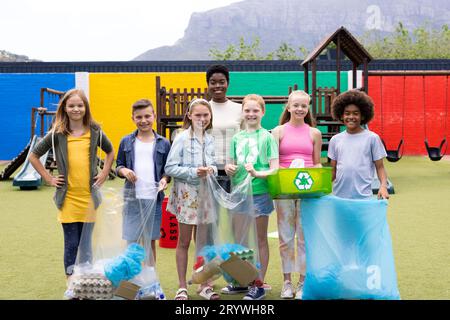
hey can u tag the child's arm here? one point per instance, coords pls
(333, 156)
(333, 169)
(273, 164)
(39, 150)
(382, 176)
(101, 177)
(51, 180)
(277, 134)
(230, 168)
(210, 154)
(317, 147)
(107, 147)
(172, 167)
(121, 165)
(165, 180)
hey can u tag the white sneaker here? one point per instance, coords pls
(69, 295)
(299, 291)
(287, 291)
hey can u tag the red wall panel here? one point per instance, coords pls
(412, 107)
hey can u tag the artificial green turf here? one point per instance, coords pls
(419, 218)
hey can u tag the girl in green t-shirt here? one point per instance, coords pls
(255, 152)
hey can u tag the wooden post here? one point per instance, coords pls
(338, 65)
(178, 103)
(306, 78)
(159, 106)
(42, 97)
(366, 77)
(314, 85)
(185, 102)
(171, 103)
(33, 120)
(354, 73)
(42, 124)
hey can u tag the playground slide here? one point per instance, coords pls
(28, 178)
(15, 163)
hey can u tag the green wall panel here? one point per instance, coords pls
(277, 84)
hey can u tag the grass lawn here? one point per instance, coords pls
(419, 219)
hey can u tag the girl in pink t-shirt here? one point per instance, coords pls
(300, 142)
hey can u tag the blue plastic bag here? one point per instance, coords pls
(348, 249)
(126, 266)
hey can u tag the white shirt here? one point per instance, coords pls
(144, 169)
(226, 123)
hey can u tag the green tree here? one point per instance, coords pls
(252, 51)
(420, 43)
(243, 51)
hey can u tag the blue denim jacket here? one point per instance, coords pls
(187, 154)
(125, 157)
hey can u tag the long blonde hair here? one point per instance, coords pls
(62, 124)
(286, 115)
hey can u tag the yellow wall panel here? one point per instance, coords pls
(112, 94)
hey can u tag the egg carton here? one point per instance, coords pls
(92, 287)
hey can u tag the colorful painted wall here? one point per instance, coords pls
(276, 84)
(18, 94)
(112, 94)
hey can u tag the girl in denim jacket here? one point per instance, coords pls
(190, 159)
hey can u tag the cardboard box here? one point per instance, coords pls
(240, 270)
(127, 290)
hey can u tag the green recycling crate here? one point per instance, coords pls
(294, 183)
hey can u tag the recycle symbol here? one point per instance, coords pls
(303, 181)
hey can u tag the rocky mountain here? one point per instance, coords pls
(6, 56)
(296, 22)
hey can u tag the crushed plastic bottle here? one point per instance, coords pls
(151, 292)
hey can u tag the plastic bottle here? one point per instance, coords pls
(151, 292)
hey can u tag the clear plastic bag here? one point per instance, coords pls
(226, 242)
(117, 246)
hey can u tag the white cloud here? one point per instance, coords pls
(94, 30)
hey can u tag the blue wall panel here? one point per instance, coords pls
(18, 94)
